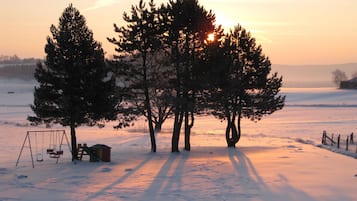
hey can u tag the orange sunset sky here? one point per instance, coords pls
(290, 31)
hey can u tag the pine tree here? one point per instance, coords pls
(75, 86)
(159, 75)
(188, 26)
(137, 40)
(241, 83)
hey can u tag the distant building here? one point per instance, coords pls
(349, 84)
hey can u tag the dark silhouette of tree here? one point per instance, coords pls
(129, 71)
(228, 76)
(354, 75)
(137, 40)
(241, 84)
(75, 86)
(338, 76)
(10, 59)
(188, 25)
(160, 74)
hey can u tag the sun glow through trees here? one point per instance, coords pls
(210, 37)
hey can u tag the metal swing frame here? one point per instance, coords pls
(52, 155)
(39, 155)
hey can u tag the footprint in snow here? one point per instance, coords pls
(3, 170)
(128, 169)
(21, 176)
(106, 170)
(284, 157)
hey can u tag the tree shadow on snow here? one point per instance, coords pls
(128, 173)
(168, 182)
(197, 175)
(205, 173)
(255, 187)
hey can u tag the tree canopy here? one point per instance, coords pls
(75, 85)
(138, 40)
(241, 83)
(227, 75)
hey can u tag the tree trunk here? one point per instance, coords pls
(176, 132)
(228, 130)
(160, 119)
(158, 126)
(150, 124)
(178, 106)
(188, 131)
(151, 129)
(74, 142)
(238, 122)
(148, 107)
(231, 131)
(234, 137)
(231, 140)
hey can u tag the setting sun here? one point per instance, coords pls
(210, 37)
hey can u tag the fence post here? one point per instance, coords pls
(332, 140)
(338, 141)
(324, 137)
(351, 139)
(347, 144)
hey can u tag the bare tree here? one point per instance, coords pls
(354, 75)
(338, 76)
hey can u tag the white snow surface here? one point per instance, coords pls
(277, 158)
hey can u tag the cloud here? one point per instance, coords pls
(101, 4)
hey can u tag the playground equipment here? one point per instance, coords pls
(98, 152)
(54, 150)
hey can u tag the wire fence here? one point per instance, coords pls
(346, 143)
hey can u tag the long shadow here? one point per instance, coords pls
(121, 179)
(248, 173)
(168, 181)
(176, 182)
(165, 179)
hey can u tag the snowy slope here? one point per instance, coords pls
(276, 159)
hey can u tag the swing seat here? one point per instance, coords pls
(53, 150)
(49, 151)
(54, 156)
(39, 157)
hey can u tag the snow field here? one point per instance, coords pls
(276, 159)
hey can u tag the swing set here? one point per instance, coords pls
(53, 149)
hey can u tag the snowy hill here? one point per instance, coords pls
(293, 75)
(311, 75)
(18, 71)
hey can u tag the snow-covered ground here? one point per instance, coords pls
(276, 159)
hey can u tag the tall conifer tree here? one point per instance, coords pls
(188, 26)
(138, 39)
(241, 82)
(75, 86)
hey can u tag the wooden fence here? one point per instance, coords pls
(347, 143)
